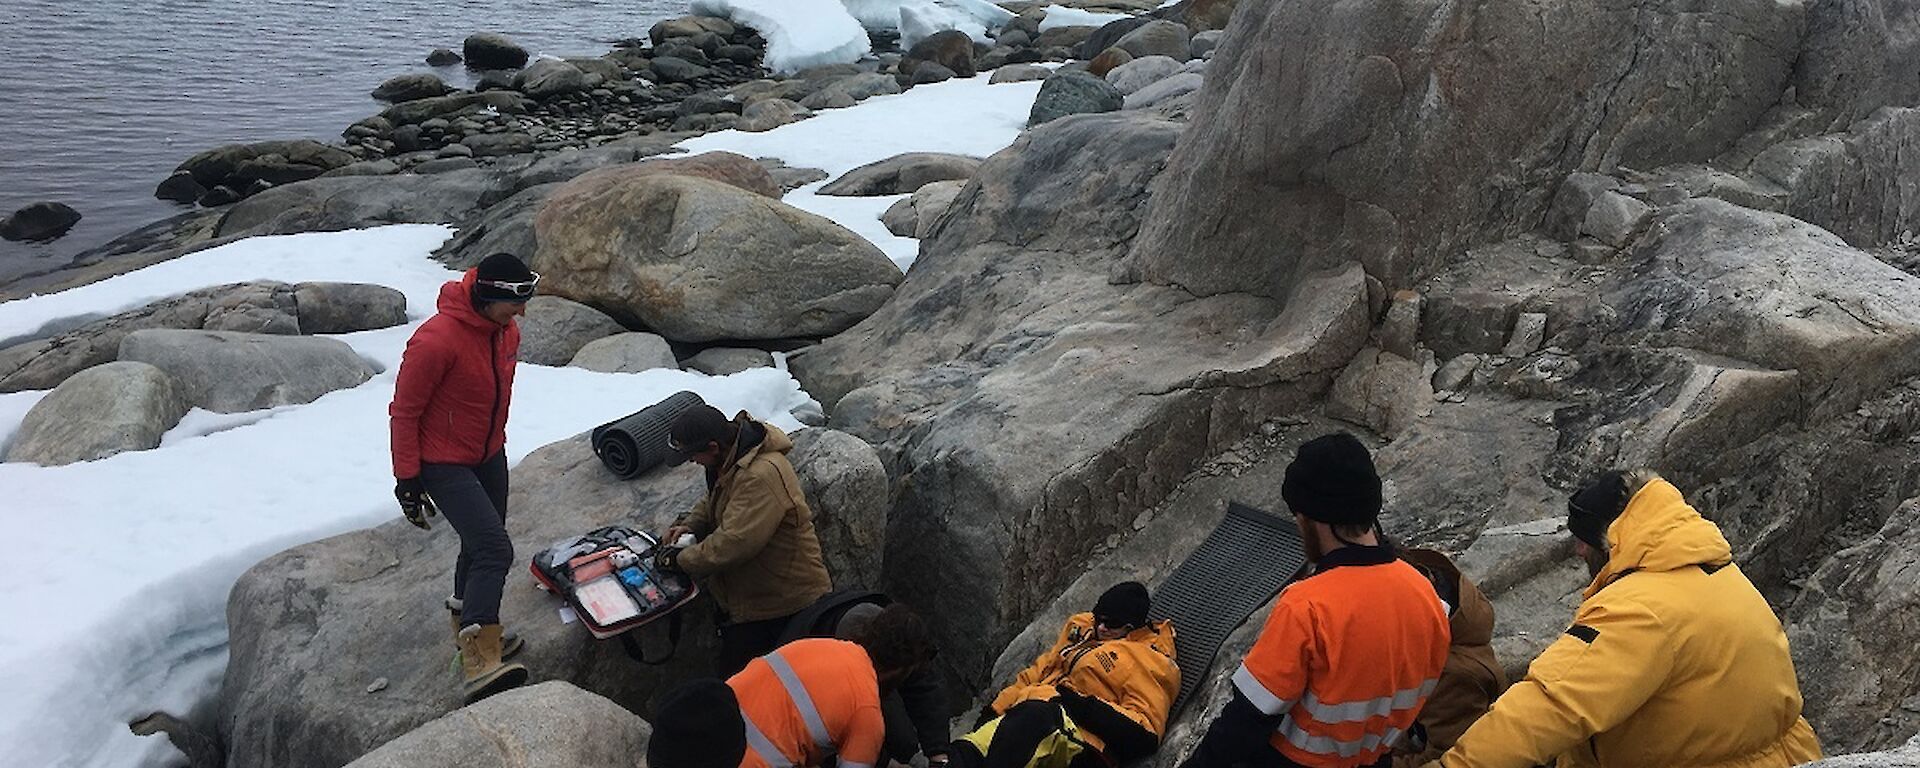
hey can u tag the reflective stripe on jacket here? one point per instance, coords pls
(1348, 656)
(1135, 676)
(451, 396)
(1673, 659)
(810, 700)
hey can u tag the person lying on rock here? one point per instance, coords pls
(756, 551)
(809, 703)
(1472, 678)
(449, 439)
(1673, 658)
(1099, 697)
(915, 709)
(1351, 652)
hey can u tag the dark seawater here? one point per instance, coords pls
(103, 98)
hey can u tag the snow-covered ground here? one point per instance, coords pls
(117, 571)
(967, 117)
(799, 33)
(113, 588)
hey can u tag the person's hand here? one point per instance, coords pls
(667, 559)
(673, 534)
(414, 502)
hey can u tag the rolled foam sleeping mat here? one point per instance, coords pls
(1240, 566)
(636, 443)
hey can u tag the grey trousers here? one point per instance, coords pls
(474, 501)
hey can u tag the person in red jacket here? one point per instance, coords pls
(449, 421)
(1351, 652)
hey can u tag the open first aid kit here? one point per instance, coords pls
(609, 579)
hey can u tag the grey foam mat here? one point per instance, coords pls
(634, 444)
(1240, 566)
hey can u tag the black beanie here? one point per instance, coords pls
(698, 725)
(1332, 481)
(505, 268)
(1595, 506)
(693, 429)
(1123, 605)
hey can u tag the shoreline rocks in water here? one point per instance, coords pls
(39, 221)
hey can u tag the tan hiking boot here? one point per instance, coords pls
(510, 642)
(481, 670)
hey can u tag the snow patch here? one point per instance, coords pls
(1061, 16)
(13, 410)
(962, 116)
(800, 34)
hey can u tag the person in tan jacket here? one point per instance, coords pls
(1472, 678)
(756, 551)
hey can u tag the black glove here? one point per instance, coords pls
(667, 559)
(986, 715)
(414, 502)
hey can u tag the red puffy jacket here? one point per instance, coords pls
(455, 384)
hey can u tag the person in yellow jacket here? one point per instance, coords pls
(757, 553)
(1109, 679)
(1673, 659)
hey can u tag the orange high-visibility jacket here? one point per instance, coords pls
(1349, 655)
(809, 700)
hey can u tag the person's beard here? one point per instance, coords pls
(1309, 542)
(1596, 558)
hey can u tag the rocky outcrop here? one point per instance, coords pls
(1057, 401)
(916, 215)
(724, 167)
(101, 411)
(233, 372)
(1907, 756)
(409, 87)
(554, 330)
(626, 353)
(1073, 93)
(951, 49)
(351, 202)
(1142, 72)
(491, 51)
(550, 725)
(258, 307)
(696, 260)
(1348, 134)
(287, 700)
(1847, 625)
(39, 221)
(902, 174)
(1864, 184)
(722, 361)
(236, 167)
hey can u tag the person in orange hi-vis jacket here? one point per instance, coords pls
(1351, 652)
(808, 702)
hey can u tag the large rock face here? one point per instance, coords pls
(697, 260)
(724, 167)
(903, 174)
(258, 307)
(1012, 388)
(304, 648)
(101, 411)
(550, 725)
(232, 372)
(1398, 134)
(1852, 632)
(351, 202)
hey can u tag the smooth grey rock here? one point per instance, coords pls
(848, 90)
(770, 114)
(725, 361)
(709, 104)
(902, 174)
(1165, 91)
(506, 227)
(1529, 332)
(1614, 219)
(348, 307)
(1142, 72)
(554, 330)
(422, 110)
(354, 202)
(284, 161)
(1456, 374)
(286, 700)
(1864, 184)
(689, 26)
(1019, 73)
(899, 218)
(445, 165)
(548, 78)
(672, 69)
(929, 73)
(1158, 38)
(496, 144)
(181, 188)
(410, 87)
(1073, 93)
(950, 48)
(1090, 42)
(1204, 42)
(1382, 391)
(259, 307)
(626, 353)
(491, 51)
(548, 725)
(39, 221)
(234, 372)
(1575, 197)
(698, 260)
(442, 57)
(1399, 332)
(101, 411)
